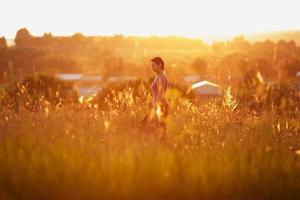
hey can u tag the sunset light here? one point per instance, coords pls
(207, 19)
(149, 100)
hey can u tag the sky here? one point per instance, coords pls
(188, 18)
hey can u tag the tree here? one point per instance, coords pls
(239, 44)
(232, 67)
(23, 38)
(23, 58)
(219, 47)
(284, 50)
(56, 63)
(113, 66)
(289, 67)
(200, 65)
(263, 66)
(3, 43)
(263, 50)
(36, 91)
(3, 58)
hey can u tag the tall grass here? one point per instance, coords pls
(211, 151)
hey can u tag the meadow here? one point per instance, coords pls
(217, 149)
(76, 79)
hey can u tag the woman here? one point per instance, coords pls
(159, 105)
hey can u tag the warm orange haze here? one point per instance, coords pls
(204, 19)
(149, 100)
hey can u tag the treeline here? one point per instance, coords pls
(227, 62)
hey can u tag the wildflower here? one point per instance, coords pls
(46, 111)
(268, 148)
(89, 99)
(81, 99)
(229, 101)
(106, 124)
(259, 77)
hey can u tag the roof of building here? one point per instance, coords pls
(79, 77)
(203, 83)
(69, 77)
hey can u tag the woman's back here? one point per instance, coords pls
(159, 86)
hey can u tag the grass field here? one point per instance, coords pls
(211, 151)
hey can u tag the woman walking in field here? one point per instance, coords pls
(159, 105)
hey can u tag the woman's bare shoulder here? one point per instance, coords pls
(163, 78)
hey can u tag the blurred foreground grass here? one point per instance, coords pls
(209, 152)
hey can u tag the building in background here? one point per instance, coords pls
(86, 85)
(90, 85)
(206, 89)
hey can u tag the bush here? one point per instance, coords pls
(134, 90)
(280, 97)
(37, 91)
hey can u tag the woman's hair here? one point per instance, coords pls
(159, 61)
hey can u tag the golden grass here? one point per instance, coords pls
(210, 151)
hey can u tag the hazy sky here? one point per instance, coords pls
(193, 18)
